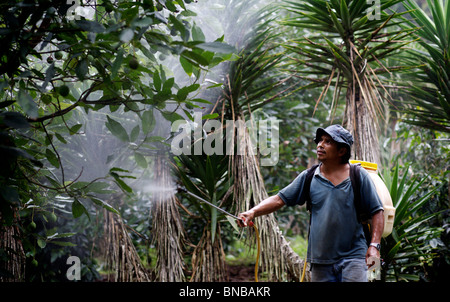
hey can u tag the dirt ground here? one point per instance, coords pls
(240, 273)
(236, 273)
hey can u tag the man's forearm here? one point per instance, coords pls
(377, 226)
(268, 206)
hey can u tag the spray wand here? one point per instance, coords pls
(214, 206)
(250, 224)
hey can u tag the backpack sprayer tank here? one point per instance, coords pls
(383, 193)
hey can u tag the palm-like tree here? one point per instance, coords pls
(430, 91)
(345, 46)
(121, 255)
(206, 177)
(251, 82)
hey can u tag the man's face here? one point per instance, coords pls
(327, 149)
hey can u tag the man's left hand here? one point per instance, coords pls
(372, 256)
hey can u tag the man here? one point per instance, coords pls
(337, 248)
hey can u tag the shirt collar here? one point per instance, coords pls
(317, 172)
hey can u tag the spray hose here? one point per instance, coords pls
(304, 270)
(258, 252)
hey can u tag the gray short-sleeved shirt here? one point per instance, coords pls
(335, 232)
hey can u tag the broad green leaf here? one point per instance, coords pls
(195, 58)
(183, 92)
(27, 103)
(135, 133)
(60, 138)
(180, 27)
(104, 204)
(170, 6)
(233, 223)
(213, 218)
(78, 209)
(49, 74)
(98, 187)
(143, 22)
(171, 116)
(117, 63)
(157, 81)
(41, 243)
(210, 116)
(217, 47)
(116, 169)
(148, 121)
(15, 120)
(167, 86)
(91, 26)
(187, 66)
(64, 243)
(201, 101)
(120, 182)
(140, 160)
(117, 129)
(197, 33)
(60, 235)
(82, 69)
(75, 128)
(185, 12)
(152, 139)
(126, 35)
(52, 158)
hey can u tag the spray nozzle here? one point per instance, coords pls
(181, 189)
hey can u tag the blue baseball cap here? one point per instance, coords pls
(337, 133)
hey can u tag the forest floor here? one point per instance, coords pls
(241, 273)
(235, 272)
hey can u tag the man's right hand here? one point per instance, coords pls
(246, 219)
(267, 206)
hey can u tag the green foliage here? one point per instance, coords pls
(411, 243)
(426, 154)
(345, 27)
(207, 177)
(429, 103)
(252, 81)
(57, 73)
(345, 49)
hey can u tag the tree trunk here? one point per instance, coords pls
(167, 228)
(361, 120)
(278, 260)
(121, 255)
(208, 259)
(13, 269)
